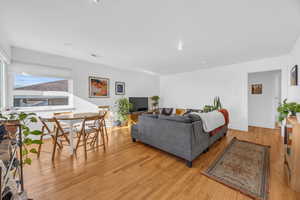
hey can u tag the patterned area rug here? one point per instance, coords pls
(243, 166)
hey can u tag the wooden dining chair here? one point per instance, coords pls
(103, 114)
(89, 134)
(47, 131)
(58, 134)
(63, 124)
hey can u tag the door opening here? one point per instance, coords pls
(264, 96)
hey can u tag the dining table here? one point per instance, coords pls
(71, 119)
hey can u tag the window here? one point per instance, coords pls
(40, 91)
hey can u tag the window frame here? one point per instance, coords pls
(14, 92)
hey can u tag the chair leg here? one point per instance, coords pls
(84, 140)
(97, 138)
(102, 136)
(105, 130)
(54, 147)
(40, 146)
(78, 141)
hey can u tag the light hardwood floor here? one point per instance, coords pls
(130, 170)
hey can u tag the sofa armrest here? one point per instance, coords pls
(200, 139)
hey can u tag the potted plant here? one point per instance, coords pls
(123, 108)
(285, 109)
(217, 103)
(11, 121)
(216, 106)
(155, 100)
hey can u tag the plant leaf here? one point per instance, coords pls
(33, 119)
(33, 150)
(27, 161)
(22, 116)
(36, 132)
(27, 141)
(24, 152)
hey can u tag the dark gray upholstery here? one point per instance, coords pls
(177, 118)
(178, 135)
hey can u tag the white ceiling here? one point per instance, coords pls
(144, 34)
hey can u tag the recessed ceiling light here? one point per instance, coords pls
(180, 45)
(95, 55)
(96, 1)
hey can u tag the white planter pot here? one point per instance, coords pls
(298, 116)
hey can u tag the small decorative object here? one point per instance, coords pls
(120, 88)
(98, 87)
(294, 75)
(256, 89)
(155, 100)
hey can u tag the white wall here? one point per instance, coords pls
(137, 83)
(294, 91)
(262, 107)
(296, 53)
(5, 50)
(195, 89)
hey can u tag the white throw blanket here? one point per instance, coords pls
(211, 120)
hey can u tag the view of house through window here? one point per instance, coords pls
(34, 91)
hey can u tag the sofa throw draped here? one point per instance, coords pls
(211, 120)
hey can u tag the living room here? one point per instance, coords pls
(166, 89)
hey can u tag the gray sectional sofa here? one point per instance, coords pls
(182, 136)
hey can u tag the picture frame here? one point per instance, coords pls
(294, 76)
(256, 89)
(98, 87)
(119, 88)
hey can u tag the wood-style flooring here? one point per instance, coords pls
(130, 170)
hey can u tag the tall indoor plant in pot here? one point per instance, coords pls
(155, 102)
(123, 109)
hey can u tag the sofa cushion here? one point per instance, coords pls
(177, 118)
(150, 115)
(188, 111)
(166, 111)
(194, 117)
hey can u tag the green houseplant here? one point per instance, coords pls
(123, 108)
(24, 119)
(155, 100)
(216, 105)
(285, 109)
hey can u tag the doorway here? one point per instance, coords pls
(264, 96)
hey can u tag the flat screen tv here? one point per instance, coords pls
(139, 104)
